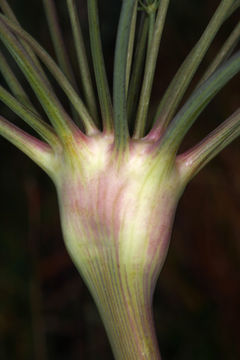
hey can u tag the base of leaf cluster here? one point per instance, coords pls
(116, 216)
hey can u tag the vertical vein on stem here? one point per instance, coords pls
(150, 67)
(99, 66)
(119, 74)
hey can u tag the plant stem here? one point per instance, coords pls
(37, 150)
(57, 39)
(155, 36)
(99, 66)
(119, 75)
(197, 102)
(87, 84)
(193, 160)
(58, 75)
(223, 54)
(131, 46)
(57, 115)
(7, 11)
(126, 313)
(185, 73)
(137, 68)
(30, 117)
(13, 82)
(117, 228)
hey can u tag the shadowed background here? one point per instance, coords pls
(46, 311)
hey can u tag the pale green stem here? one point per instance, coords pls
(184, 75)
(125, 310)
(57, 115)
(137, 68)
(119, 75)
(30, 117)
(6, 9)
(99, 66)
(38, 151)
(234, 7)
(131, 46)
(150, 69)
(193, 160)
(59, 47)
(60, 78)
(150, 31)
(13, 82)
(224, 53)
(57, 39)
(87, 84)
(11, 16)
(197, 102)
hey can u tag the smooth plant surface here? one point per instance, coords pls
(116, 168)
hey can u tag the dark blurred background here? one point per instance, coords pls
(46, 311)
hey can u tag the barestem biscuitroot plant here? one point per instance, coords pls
(116, 169)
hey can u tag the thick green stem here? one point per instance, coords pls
(124, 301)
(117, 231)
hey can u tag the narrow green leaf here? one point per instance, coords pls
(59, 76)
(88, 89)
(57, 115)
(184, 75)
(150, 67)
(193, 160)
(37, 150)
(30, 117)
(119, 74)
(99, 66)
(197, 102)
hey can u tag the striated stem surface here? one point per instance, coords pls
(117, 220)
(124, 301)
